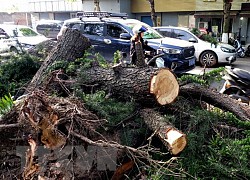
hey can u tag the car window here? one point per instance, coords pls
(166, 32)
(93, 29)
(3, 33)
(27, 32)
(183, 35)
(114, 31)
(76, 26)
(149, 34)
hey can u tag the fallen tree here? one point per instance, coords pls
(58, 123)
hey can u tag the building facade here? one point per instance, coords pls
(186, 13)
(198, 13)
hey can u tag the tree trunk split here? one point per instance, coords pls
(70, 47)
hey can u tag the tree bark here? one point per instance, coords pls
(153, 16)
(226, 19)
(97, 6)
(144, 85)
(216, 99)
(71, 46)
(172, 138)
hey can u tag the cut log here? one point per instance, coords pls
(216, 99)
(71, 46)
(172, 138)
(146, 85)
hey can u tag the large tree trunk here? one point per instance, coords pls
(153, 16)
(226, 19)
(172, 138)
(71, 46)
(97, 6)
(141, 84)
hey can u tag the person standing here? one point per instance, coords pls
(138, 46)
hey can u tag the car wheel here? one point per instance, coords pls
(208, 58)
(13, 50)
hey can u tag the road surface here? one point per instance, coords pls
(242, 63)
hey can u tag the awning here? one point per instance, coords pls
(213, 14)
(244, 14)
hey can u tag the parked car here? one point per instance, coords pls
(49, 28)
(24, 35)
(205, 52)
(8, 44)
(109, 32)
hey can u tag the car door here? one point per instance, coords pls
(184, 35)
(113, 40)
(3, 41)
(94, 31)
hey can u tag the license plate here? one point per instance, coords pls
(191, 62)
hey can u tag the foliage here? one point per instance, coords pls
(6, 103)
(206, 79)
(196, 31)
(117, 57)
(110, 109)
(209, 38)
(205, 37)
(114, 112)
(85, 62)
(16, 72)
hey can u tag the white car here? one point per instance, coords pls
(206, 53)
(24, 35)
(8, 44)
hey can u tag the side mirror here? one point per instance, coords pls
(193, 40)
(126, 36)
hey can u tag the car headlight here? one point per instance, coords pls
(224, 49)
(171, 51)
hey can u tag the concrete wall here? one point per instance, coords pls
(15, 18)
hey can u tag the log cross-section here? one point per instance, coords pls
(165, 87)
(171, 137)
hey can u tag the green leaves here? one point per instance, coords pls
(6, 103)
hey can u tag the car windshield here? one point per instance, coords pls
(27, 32)
(149, 34)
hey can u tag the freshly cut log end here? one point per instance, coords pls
(176, 140)
(164, 86)
(173, 139)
